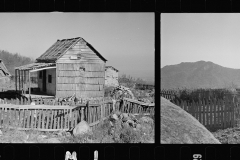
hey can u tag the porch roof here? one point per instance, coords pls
(34, 66)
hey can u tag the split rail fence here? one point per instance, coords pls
(49, 115)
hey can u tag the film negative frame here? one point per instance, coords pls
(88, 151)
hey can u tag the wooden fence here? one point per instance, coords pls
(49, 115)
(168, 94)
(213, 114)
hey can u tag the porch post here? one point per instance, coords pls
(22, 81)
(19, 76)
(29, 92)
(16, 79)
(25, 78)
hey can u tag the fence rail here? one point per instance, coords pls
(49, 115)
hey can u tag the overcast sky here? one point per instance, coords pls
(126, 40)
(193, 37)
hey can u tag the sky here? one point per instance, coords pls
(191, 37)
(126, 40)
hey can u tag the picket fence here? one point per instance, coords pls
(49, 115)
(213, 114)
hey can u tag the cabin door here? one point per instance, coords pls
(44, 81)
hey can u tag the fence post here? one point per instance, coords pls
(82, 113)
(102, 110)
(114, 102)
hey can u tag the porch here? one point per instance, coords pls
(23, 79)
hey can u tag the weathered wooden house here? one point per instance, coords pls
(4, 73)
(111, 76)
(69, 66)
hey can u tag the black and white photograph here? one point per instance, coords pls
(200, 78)
(77, 78)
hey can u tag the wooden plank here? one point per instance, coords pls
(36, 119)
(69, 119)
(21, 118)
(200, 111)
(222, 112)
(218, 113)
(76, 117)
(65, 118)
(7, 119)
(1, 116)
(47, 117)
(204, 114)
(28, 119)
(62, 124)
(215, 114)
(10, 117)
(228, 114)
(52, 119)
(41, 106)
(58, 119)
(232, 120)
(39, 119)
(225, 115)
(43, 118)
(32, 118)
(211, 115)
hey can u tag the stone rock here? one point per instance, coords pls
(1, 133)
(130, 123)
(125, 125)
(52, 140)
(42, 136)
(146, 119)
(81, 128)
(138, 126)
(125, 115)
(114, 116)
(179, 127)
(146, 128)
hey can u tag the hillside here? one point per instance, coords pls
(14, 60)
(199, 74)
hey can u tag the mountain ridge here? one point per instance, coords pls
(200, 74)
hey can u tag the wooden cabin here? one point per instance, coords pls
(111, 76)
(4, 73)
(69, 66)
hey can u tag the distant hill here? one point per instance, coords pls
(199, 74)
(14, 60)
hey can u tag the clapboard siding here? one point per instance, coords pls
(80, 74)
(86, 54)
(83, 79)
(87, 80)
(87, 66)
(79, 87)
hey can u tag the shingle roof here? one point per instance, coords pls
(111, 67)
(60, 47)
(3, 69)
(35, 66)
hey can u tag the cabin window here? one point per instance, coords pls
(49, 78)
(40, 75)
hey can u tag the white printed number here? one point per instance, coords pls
(197, 157)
